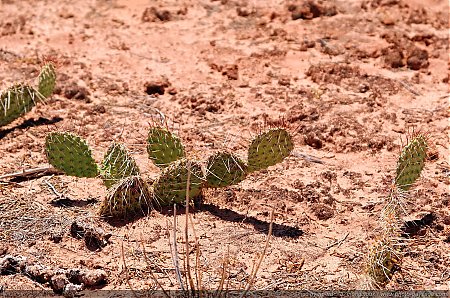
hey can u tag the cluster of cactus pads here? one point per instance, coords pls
(128, 192)
(19, 99)
(385, 255)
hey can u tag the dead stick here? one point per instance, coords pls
(252, 277)
(175, 253)
(186, 228)
(24, 173)
(126, 273)
(151, 271)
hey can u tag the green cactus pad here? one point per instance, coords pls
(163, 147)
(129, 196)
(268, 149)
(170, 187)
(17, 101)
(411, 162)
(71, 154)
(47, 79)
(117, 164)
(224, 169)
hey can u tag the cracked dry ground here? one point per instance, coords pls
(350, 77)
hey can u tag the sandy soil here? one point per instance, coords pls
(351, 78)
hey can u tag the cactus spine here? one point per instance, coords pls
(47, 79)
(163, 147)
(268, 149)
(128, 196)
(71, 154)
(117, 164)
(19, 99)
(385, 255)
(16, 101)
(170, 187)
(224, 169)
(128, 192)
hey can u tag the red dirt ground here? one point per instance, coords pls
(351, 78)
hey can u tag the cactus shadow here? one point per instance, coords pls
(65, 202)
(30, 123)
(121, 222)
(278, 230)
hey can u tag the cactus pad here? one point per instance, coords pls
(170, 187)
(163, 147)
(411, 162)
(117, 164)
(16, 101)
(47, 79)
(268, 149)
(71, 154)
(224, 169)
(383, 261)
(129, 196)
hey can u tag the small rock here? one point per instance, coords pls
(156, 87)
(70, 290)
(231, 71)
(11, 265)
(284, 81)
(73, 91)
(95, 238)
(39, 273)
(322, 212)
(446, 220)
(363, 88)
(313, 140)
(86, 277)
(152, 14)
(59, 282)
(393, 57)
(311, 9)
(3, 249)
(417, 59)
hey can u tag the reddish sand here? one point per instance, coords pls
(351, 78)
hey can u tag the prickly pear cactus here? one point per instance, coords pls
(47, 79)
(117, 164)
(224, 169)
(163, 147)
(384, 260)
(268, 149)
(411, 162)
(16, 101)
(170, 187)
(129, 196)
(71, 154)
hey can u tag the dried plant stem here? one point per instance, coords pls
(152, 275)
(176, 263)
(252, 276)
(29, 172)
(126, 273)
(186, 228)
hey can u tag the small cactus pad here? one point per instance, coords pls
(17, 101)
(47, 79)
(411, 162)
(268, 149)
(170, 187)
(383, 262)
(129, 196)
(117, 164)
(224, 169)
(71, 154)
(163, 147)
